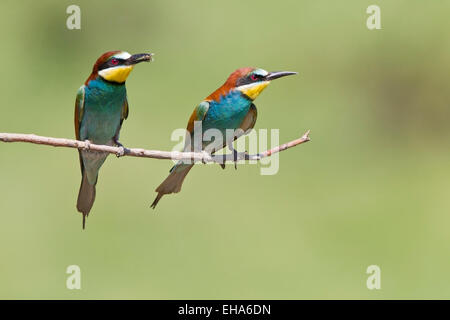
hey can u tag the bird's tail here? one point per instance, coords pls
(86, 197)
(173, 182)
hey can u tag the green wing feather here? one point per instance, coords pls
(79, 110)
(124, 114)
(202, 109)
(198, 115)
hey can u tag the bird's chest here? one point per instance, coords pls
(228, 113)
(102, 112)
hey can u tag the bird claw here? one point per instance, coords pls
(222, 164)
(87, 145)
(237, 155)
(205, 154)
(121, 151)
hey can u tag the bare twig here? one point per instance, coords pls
(155, 154)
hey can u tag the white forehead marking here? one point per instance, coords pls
(122, 55)
(261, 72)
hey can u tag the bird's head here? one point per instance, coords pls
(252, 81)
(115, 66)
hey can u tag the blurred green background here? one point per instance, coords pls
(371, 188)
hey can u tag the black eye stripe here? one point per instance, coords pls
(109, 64)
(248, 79)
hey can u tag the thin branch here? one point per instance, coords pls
(142, 153)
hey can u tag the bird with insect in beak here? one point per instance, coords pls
(100, 108)
(229, 107)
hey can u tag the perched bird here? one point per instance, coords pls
(229, 107)
(100, 108)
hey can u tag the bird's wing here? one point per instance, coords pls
(198, 115)
(202, 109)
(79, 110)
(250, 119)
(124, 114)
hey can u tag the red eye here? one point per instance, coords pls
(254, 77)
(114, 61)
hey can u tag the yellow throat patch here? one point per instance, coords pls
(116, 74)
(253, 90)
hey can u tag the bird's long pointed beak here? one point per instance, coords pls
(278, 74)
(140, 57)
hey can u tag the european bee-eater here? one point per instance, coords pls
(100, 108)
(229, 107)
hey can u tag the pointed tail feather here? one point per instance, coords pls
(86, 197)
(173, 182)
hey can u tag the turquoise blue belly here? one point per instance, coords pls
(228, 113)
